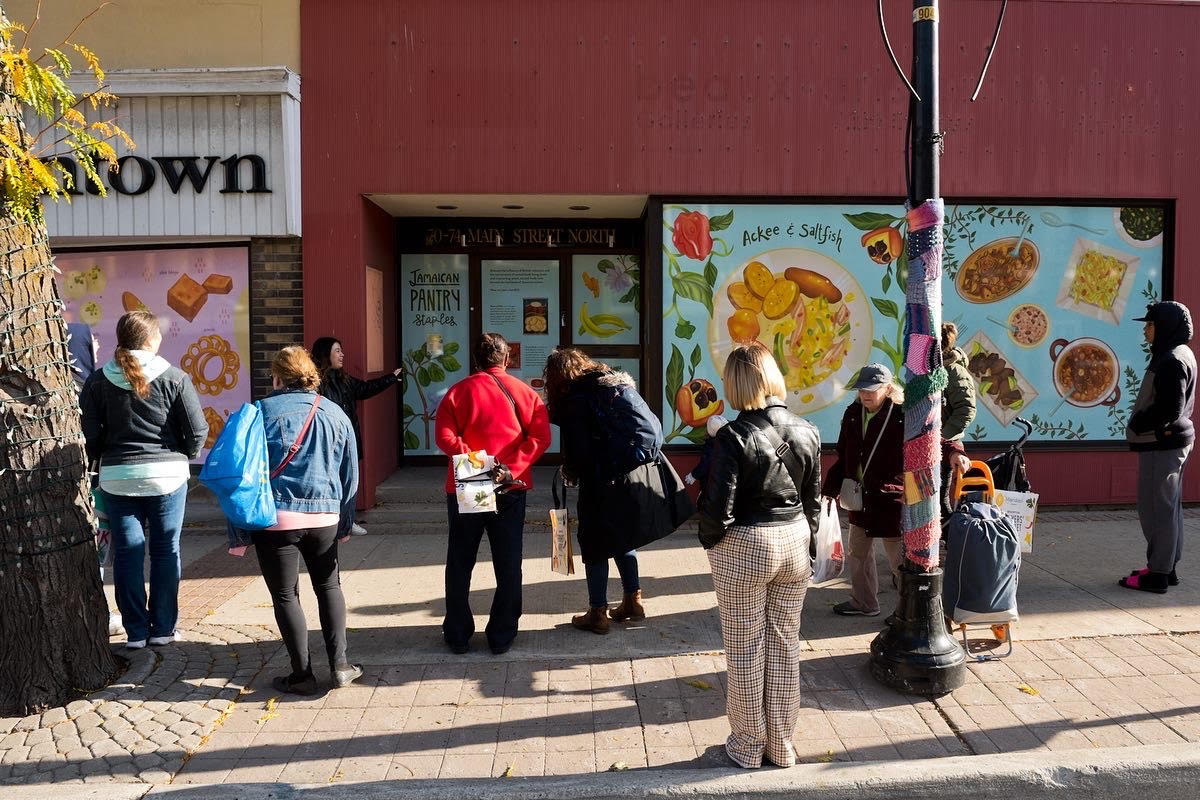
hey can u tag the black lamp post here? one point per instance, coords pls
(917, 654)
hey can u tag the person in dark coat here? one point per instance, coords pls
(628, 495)
(874, 423)
(82, 347)
(346, 390)
(1160, 431)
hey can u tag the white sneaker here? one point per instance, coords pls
(115, 628)
(357, 530)
(135, 644)
(159, 641)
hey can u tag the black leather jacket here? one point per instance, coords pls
(748, 484)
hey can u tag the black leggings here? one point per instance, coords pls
(279, 555)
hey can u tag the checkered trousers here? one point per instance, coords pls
(761, 575)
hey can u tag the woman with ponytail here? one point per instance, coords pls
(142, 424)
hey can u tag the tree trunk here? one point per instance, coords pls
(53, 614)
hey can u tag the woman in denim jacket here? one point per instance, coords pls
(311, 494)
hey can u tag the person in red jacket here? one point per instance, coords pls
(495, 412)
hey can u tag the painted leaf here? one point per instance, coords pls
(451, 348)
(695, 357)
(450, 363)
(631, 296)
(693, 286)
(720, 222)
(887, 282)
(886, 307)
(870, 220)
(902, 269)
(408, 411)
(436, 373)
(674, 375)
(710, 273)
(423, 376)
(411, 442)
(696, 435)
(604, 265)
(684, 329)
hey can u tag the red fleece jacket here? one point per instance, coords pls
(475, 415)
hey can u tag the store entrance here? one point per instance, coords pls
(540, 284)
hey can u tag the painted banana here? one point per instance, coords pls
(601, 325)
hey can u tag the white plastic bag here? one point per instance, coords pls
(831, 556)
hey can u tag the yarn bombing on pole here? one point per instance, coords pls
(925, 378)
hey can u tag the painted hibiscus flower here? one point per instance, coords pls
(618, 279)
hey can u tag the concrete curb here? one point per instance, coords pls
(1165, 772)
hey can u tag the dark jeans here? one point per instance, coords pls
(279, 554)
(597, 578)
(136, 522)
(504, 528)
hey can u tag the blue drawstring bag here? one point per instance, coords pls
(237, 471)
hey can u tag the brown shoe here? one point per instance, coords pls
(630, 609)
(595, 620)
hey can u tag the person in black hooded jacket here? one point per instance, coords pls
(1160, 431)
(346, 390)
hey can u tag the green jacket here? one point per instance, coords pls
(958, 401)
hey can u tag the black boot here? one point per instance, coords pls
(303, 684)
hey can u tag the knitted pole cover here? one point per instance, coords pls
(924, 379)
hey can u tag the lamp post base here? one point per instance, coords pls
(916, 654)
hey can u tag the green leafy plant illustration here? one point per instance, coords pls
(674, 380)
(1056, 430)
(976, 434)
(691, 239)
(1118, 418)
(425, 370)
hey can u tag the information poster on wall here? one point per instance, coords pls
(521, 303)
(1043, 297)
(435, 326)
(606, 299)
(202, 299)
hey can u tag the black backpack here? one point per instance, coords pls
(624, 432)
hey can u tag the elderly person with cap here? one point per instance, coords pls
(868, 481)
(1160, 431)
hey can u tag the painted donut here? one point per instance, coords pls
(196, 360)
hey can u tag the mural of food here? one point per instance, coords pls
(1028, 325)
(1085, 372)
(696, 401)
(991, 273)
(218, 284)
(130, 302)
(601, 325)
(1002, 389)
(1140, 227)
(97, 281)
(90, 313)
(592, 284)
(186, 297)
(216, 424)
(1097, 281)
(802, 306)
(74, 286)
(213, 365)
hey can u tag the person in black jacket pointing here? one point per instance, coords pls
(1160, 431)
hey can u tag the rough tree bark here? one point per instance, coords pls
(53, 614)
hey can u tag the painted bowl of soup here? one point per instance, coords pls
(1086, 372)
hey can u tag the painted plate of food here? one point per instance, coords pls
(1140, 227)
(1028, 325)
(1097, 281)
(1086, 372)
(1001, 388)
(992, 273)
(808, 310)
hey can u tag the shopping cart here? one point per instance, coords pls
(983, 559)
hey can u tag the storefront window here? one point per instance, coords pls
(435, 321)
(1043, 297)
(202, 299)
(606, 299)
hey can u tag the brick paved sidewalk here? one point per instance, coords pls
(646, 697)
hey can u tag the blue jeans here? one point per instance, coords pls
(504, 528)
(597, 578)
(134, 521)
